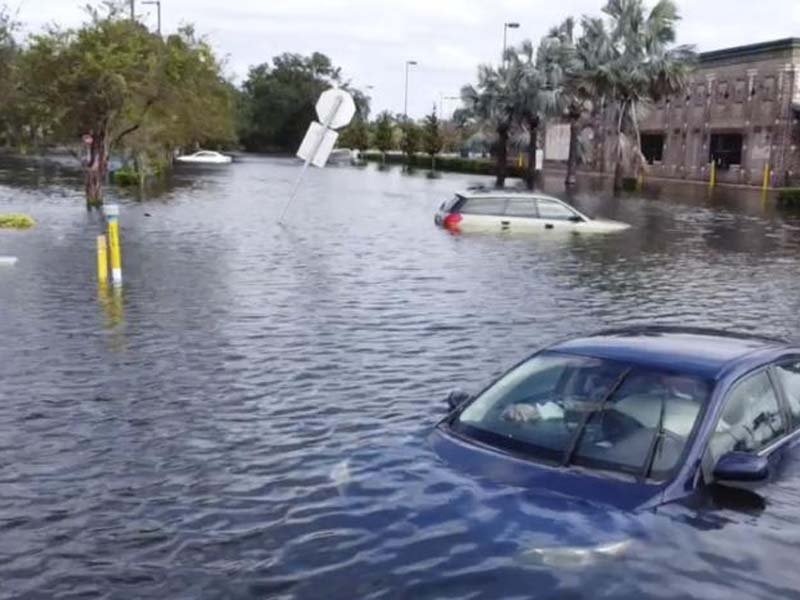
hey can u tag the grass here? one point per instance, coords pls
(15, 221)
(452, 164)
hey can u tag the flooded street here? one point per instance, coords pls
(250, 418)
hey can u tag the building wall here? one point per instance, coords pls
(742, 92)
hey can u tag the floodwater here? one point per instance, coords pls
(250, 417)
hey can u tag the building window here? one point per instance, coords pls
(653, 147)
(700, 95)
(722, 92)
(726, 149)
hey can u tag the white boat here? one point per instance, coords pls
(205, 157)
(344, 156)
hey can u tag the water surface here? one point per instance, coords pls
(249, 418)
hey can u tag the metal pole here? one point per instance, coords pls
(326, 125)
(158, 4)
(505, 41)
(133, 10)
(405, 104)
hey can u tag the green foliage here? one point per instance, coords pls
(411, 139)
(384, 132)
(278, 100)
(128, 89)
(356, 135)
(16, 221)
(432, 141)
(445, 163)
(789, 196)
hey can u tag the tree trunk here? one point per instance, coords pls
(502, 156)
(96, 169)
(619, 154)
(572, 159)
(533, 135)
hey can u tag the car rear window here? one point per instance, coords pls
(448, 205)
(483, 206)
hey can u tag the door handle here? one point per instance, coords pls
(549, 226)
(505, 224)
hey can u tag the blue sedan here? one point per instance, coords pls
(630, 420)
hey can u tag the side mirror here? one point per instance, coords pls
(456, 398)
(740, 467)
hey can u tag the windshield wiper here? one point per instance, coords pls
(647, 469)
(573, 443)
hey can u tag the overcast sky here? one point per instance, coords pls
(372, 39)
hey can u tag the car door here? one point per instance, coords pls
(522, 215)
(483, 213)
(554, 216)
(753, 420)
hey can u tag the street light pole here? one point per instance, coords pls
(409, 63)
(158, 6)
(133, 10)
(506, 27)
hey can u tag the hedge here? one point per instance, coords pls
(453, 164)
(789, 196)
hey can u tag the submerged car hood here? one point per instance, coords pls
(543, 507)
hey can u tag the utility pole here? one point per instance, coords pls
(409, 63)
(133, 10)
(158, 6)
(506, 27)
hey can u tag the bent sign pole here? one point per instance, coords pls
(335, 108)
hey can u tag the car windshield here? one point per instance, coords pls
(586, 411)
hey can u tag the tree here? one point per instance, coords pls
(356, 135)
(120, 87)
(492, 103)
(279, 100)
(535, 87)
(410, 141)
(384, 134)
(432, 141)
(635, 64)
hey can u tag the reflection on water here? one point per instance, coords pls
(250, 417)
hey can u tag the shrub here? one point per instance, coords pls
(789, 196)
(16, 222)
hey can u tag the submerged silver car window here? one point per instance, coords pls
(483, 206)
(522, 207)
(554, 211)
(588, 411)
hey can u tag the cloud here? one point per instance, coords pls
(371, 40)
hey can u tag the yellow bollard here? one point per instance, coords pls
(712, 182)
(520, 161)
(102, 260)
(640, 182)
(767, 178)
(112, 213)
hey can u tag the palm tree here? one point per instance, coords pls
(537, 80)
(492, 103)
(636, 65)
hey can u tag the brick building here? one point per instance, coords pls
(741, 110)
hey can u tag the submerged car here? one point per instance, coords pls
(631, 420)
(484, 210)
(205, 157)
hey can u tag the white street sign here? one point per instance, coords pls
(317, 145)
(336, 108)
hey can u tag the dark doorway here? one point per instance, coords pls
(653, 147)
(726, 149)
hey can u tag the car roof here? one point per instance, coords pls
(703, 352)
(481, 192)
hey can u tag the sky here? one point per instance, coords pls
(372, 39)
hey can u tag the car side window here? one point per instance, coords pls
(522, 207)
(554, 211)
(484, 206)
(751, 419)
(789, 378)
